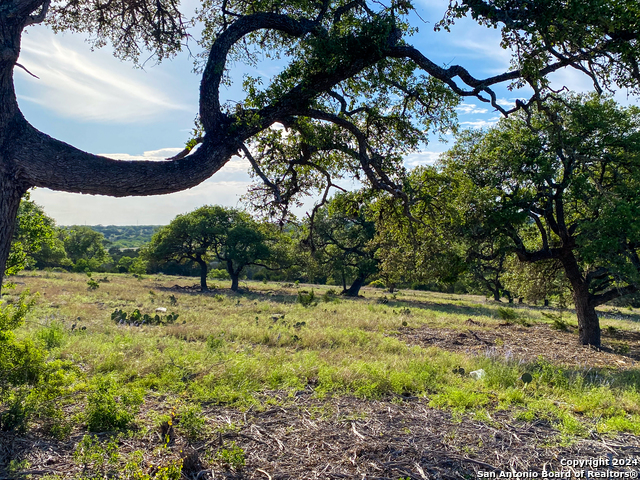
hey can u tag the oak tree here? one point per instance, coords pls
(560, 184)
(190, 238)
(355, 95)
(341, 239)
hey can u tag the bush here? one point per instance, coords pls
(108, 410)
(508, 314)
(306, 299)
(192, 422)
(51, 336)
(218, 274)
(29, 385)
(21, 360)
(378, 284)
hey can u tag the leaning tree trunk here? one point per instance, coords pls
(203, 274)
(355, 287)
(588, 322)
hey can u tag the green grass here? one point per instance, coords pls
(235, 349)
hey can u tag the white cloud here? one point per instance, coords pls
(75, 82)
(467, 108)
(509, 103)
(421, 158)
(481, 123)
(151, 155)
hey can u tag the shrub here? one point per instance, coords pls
(508, 314)
(107, 411)
(378, 284)
(232, 456)
(51, 336)
(306, 299)
(192, 423)
(218, 274)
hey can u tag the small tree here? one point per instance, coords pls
(243, 245)
(341, 240)
(34, 230)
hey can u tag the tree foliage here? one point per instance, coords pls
(560, 185)
(211, 232)
(85, 248)
(341, 238)
(34, 231)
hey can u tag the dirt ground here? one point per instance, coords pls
(349, 438)
(620, 349)
(399, 438)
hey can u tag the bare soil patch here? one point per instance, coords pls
(344, 438)
(620, 349)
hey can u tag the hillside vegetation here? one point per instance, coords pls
(126, 236)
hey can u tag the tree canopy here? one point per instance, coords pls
(341, 238)
(211, 233)
(34, 231)
(354, 97)
(560, 185)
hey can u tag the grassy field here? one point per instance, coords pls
(294, 381)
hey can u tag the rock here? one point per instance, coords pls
(161, 310)
(477, 374)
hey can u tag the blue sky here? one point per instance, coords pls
(99, 104)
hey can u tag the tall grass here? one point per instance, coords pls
(234, 349)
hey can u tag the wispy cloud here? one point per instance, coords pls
(421, 158)
(88, 86)
(151, 155)
(467, 108)
(503, 102)
(488, 123)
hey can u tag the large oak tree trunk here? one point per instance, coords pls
(203, 274)
(10, 196)
(12, 187)
(355, 287)
(588, 322)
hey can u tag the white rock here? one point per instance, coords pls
(477, 374)
(161, 310)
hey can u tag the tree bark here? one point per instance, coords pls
(203, 274)
(496, 294)
(235, 281)
(11, 185)
(355, 287)
(235, 276)
(588, 322)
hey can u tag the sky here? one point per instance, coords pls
(102, 105)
